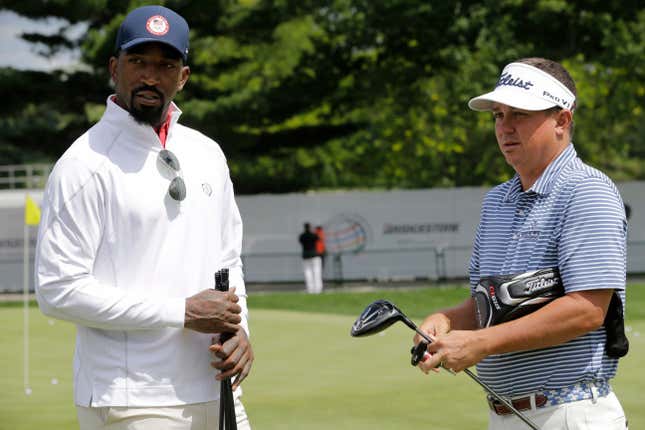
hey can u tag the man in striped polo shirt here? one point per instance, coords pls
(556, 212)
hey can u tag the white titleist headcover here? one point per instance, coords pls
(525, 87)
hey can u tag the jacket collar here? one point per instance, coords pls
(141, 133)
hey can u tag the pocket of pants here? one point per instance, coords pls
(605, 414)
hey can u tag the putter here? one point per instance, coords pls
(381, 314)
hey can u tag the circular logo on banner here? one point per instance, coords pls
(346, 233)
(157, 25)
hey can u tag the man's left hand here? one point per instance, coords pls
(234, 358)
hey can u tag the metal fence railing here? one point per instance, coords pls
(24, 176)
(407, 264)
(383, 265)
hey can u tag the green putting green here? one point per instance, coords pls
(308, 373)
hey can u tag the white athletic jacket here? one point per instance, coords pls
(117, 256)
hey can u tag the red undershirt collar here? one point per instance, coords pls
(162, 130)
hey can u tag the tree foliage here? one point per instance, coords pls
(351, 93)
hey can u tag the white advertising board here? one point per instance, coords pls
(388, 235)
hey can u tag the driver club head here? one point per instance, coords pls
(376, 317)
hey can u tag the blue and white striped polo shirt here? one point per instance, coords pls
(572, 218)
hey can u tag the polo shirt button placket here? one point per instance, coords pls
(518, 222)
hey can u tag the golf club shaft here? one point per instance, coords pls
(506, 403)
(485, 386)
(227, 419)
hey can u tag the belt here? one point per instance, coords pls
(552, 397)
(521, 404)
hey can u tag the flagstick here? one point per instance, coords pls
(25, 300)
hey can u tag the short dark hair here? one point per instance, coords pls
(554, 69)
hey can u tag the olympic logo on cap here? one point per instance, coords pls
(157, 25)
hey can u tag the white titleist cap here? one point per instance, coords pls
(525, 87)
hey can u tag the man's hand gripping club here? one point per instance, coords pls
(216, 312)
(211, 311)
(234, 357)
(455, 350)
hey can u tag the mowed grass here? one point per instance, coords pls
(309, 373)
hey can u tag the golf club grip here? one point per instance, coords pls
(221, 284)
(227, 420)
(427, 338)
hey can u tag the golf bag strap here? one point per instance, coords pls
(617, 344)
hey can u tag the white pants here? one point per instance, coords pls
(603, 413)
(199, 416)
(313, 274)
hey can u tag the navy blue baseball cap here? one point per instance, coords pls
(153, 24)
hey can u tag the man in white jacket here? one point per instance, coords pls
(138, 215)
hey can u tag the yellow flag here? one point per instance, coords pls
(32, 212)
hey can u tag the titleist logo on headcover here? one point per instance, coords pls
(540, 284)
(508, 79)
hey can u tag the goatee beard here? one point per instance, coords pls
(147, 115)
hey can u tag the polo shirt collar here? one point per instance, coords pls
(544, 183)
